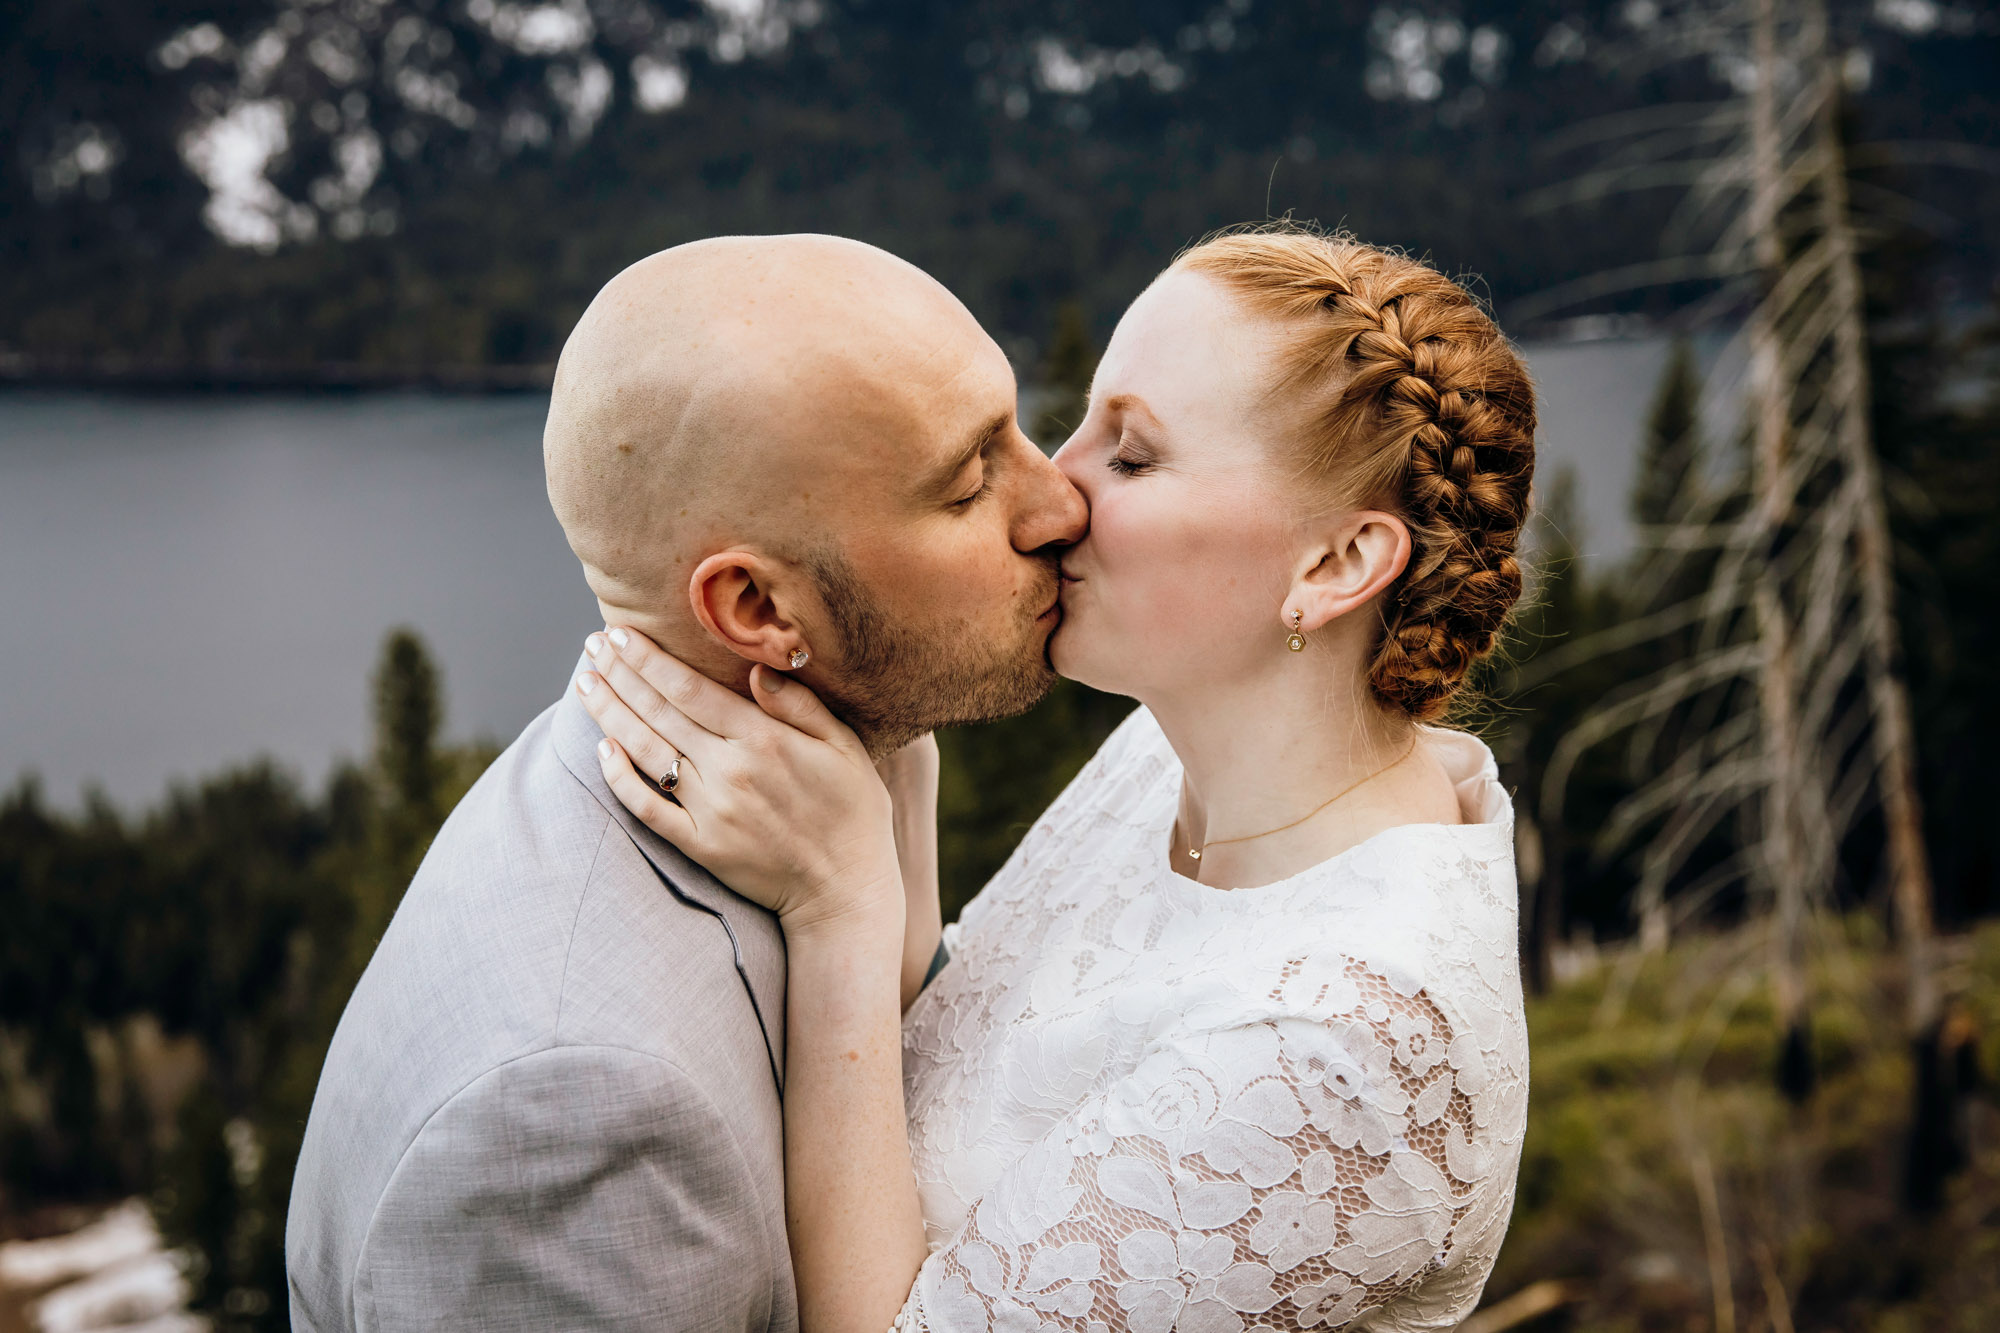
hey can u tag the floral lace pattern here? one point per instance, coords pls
(1140, 1104)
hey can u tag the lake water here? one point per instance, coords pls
(188, 582)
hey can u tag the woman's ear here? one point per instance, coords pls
(732, 595)
(1364, 552)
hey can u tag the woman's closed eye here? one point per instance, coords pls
(1127, 467)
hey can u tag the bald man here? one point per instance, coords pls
(553, 1100)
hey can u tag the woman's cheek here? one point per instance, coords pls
(1183, 574)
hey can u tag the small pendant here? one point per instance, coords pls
(1295, 641)
(1194, 853)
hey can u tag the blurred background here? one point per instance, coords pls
(282, 285)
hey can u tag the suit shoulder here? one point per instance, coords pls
(577, 1099)
(591, 1173)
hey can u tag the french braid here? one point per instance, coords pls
(1415, 403)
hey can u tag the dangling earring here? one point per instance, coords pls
(1296, 641)
(800, 657)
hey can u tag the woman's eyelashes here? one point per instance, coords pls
(1127, 461)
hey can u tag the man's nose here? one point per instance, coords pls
(1054, 512)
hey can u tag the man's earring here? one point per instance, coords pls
(1296, 641)
(800, 657)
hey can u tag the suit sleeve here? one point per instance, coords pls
(579, 1187)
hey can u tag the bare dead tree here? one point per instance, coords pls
(1795, 663)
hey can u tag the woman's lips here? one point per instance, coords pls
(1062, 596)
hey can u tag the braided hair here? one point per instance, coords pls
(1413, 402)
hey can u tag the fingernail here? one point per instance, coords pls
(620, 637)
(585, 683)
(772, 681)
(604, 749)
(594, 645)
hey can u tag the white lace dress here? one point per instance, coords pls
(1137, 1103)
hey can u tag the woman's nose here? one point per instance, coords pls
(1065, 455)
(1069, 461)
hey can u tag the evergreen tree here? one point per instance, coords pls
(1670, 448)
(1066, 372)
(1666, 503)
(1549, 677)
(408, 714)
(1551, 611)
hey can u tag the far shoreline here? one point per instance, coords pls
(18, 371)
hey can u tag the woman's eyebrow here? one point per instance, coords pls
(1131, 404)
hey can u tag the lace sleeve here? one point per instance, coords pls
(1294, 1172)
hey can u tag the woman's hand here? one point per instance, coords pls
(777, 798)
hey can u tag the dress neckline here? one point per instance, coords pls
(1475, 777)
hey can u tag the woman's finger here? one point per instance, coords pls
(662, 715)
(793, 702)
(651, 752)
(643, 799)
(716, 707)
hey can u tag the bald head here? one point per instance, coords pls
(801, 451)
(710, 389)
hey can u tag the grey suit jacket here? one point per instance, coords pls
(551, 1103)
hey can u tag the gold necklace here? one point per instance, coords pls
(1194, 852)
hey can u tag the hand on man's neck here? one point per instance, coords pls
(685, 639)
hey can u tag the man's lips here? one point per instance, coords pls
(1063, 579)
(1054, 608)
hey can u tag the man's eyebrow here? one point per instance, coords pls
(975, 444)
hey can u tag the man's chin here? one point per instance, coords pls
(887, 715)
(1006, 696)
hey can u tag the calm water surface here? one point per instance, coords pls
(186, 583)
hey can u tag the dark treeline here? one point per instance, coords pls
(446, 184)
(168, 984)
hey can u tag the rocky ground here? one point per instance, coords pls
(102, 1273)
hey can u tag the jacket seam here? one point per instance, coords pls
(569, 946)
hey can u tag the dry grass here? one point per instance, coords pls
(1669, 1185)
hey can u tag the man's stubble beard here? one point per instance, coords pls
(893, 682)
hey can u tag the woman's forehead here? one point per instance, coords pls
(1185, 348)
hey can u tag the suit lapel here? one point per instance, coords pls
(759, 940)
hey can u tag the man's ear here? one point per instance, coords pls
(737, 598)
(1364, 552)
